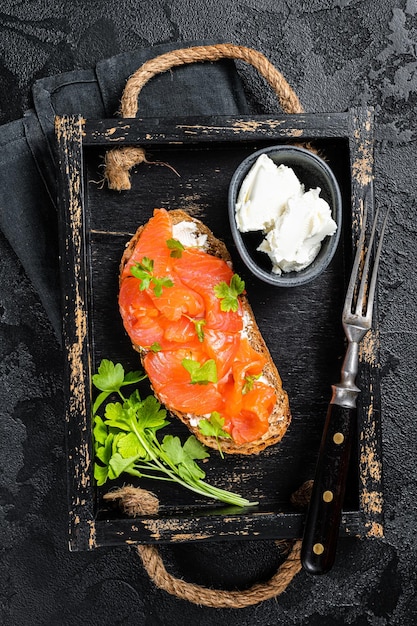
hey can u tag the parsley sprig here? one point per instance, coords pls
(126, 441)
(228, 294)
(201, 373)
(250, 380)
(214, 427)
(145, 272)
(176, 248)
(198, 325)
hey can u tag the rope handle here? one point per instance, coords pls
(288, 100)
(119, 161)
(135, 501)
(217, 598)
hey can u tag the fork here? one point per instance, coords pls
(321, 529)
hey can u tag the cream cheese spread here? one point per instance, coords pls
(264, 193)
(187, 234)
(294, 222)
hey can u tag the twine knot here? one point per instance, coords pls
(118, 163)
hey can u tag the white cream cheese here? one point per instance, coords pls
(264, 193)
(187, 234)
(296, 238)
(194, 421)
(295, 222)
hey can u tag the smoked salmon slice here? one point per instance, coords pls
(201, 272)
(160, 230)
(172, 382)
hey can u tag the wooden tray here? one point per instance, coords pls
(302, 325)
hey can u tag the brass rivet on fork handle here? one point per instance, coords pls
(323, 518)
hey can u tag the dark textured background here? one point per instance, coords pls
(336, 54)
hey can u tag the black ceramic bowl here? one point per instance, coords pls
(313, 172)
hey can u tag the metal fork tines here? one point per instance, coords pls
(321, 529)
(358, 308)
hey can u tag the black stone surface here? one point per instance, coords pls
(336, 54)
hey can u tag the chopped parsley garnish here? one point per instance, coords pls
(228, 294)
(201, 374)
(249, 382)
(145, 272)
(176, 248)
(213, 427)
(199, 329)
(199, 326)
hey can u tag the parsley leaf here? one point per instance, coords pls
(228, 294)
(100, 431)
(110, 378)
(249, 382)
(213, 427)
(126, 441)
(150, 415)
(129, 446)
(198, 325)
(183, 456)
(176, 248)
(201, 374)
(199, 329)
(145, 272)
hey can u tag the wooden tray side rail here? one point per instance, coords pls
(76, 335)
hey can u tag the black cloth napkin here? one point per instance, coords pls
(28, 189)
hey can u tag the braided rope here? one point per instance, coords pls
(288, 100)
(216, 598)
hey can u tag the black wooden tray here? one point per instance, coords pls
(302, 326)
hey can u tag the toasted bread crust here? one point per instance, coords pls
(280, 417)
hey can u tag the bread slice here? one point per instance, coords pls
(280, 417)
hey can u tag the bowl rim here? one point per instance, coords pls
(289, 279)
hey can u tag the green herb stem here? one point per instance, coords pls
(197, 486)
(144, 442)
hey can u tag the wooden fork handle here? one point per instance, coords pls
(324, 514)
